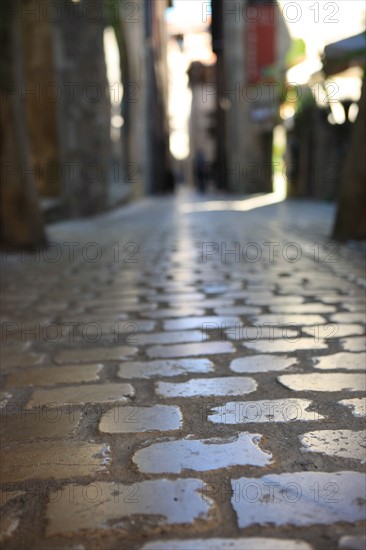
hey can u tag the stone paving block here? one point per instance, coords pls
(357, 405)
(151, 502)
(217, 288)
(7, 496)
(248, 543)
(201, 454)
(285, 346)
(358, 317)
(269, 410)
(339, 443)
(324, 382)
(20, 360)
(4, 398)
(8, 347)
(253, 332)
(9, 523)
(53, 460)
(124, 331)
(10, 517)
(206, 387)
(342, 360)
(349, 542)
(175, 312)
(164, 367)
(49, 376)
(301, 498)
(91, 393)
(354, 344)
(264, 299)
(187, 350)
(90, 354)
(262, 363)
(127, 308)
(169, 337)
(114, 302)
(177, 298)
(203, 323)
(289, 319)
(27, 425)
(220, 302)
(353, 306)
(237, 310)
(302, 308)
(134, 419)
(334, 331)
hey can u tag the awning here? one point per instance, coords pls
(339, 56)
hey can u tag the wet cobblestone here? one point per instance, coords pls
(185, 401)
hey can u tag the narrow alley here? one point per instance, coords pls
(185, 373)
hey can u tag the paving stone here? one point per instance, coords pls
(334, 330)
(9, 523)
(165, 367)
(343, 317)
(352, 543)
(203, 323)
(127, 308)
(4, 398)
(353, 306)
(151, 502)
(10, 517)
(357, 405)
(283, 346)
(237, 310)
(290, 319)
(339, 443)
(301, 498)
(114, 302)
(218, 288)
(220, 302)
(170, 337)
(252, 333)
(90, 354)
(201, 454)
(7, 496)
(279, 410)
(324, 382)
(19, 360)
(49, 376)
(354, 344)
(264, 299)
(248, 543)
(27, 425)
(262, 363)
(334, 298)
(187, 350)
(206, 387)
(181, 297)
(302, 308)
(126, 331)
(175, 312)
(9, 347)
(343, 360)
(135, 419)
(91, 393)
(100, 318)
(53, 460)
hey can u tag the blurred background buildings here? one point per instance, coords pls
(104, 101)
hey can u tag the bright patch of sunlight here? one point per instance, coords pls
(179, 144)
(239, 205)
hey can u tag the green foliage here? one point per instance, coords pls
(296, 52)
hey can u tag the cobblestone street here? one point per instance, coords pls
(185, 373)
